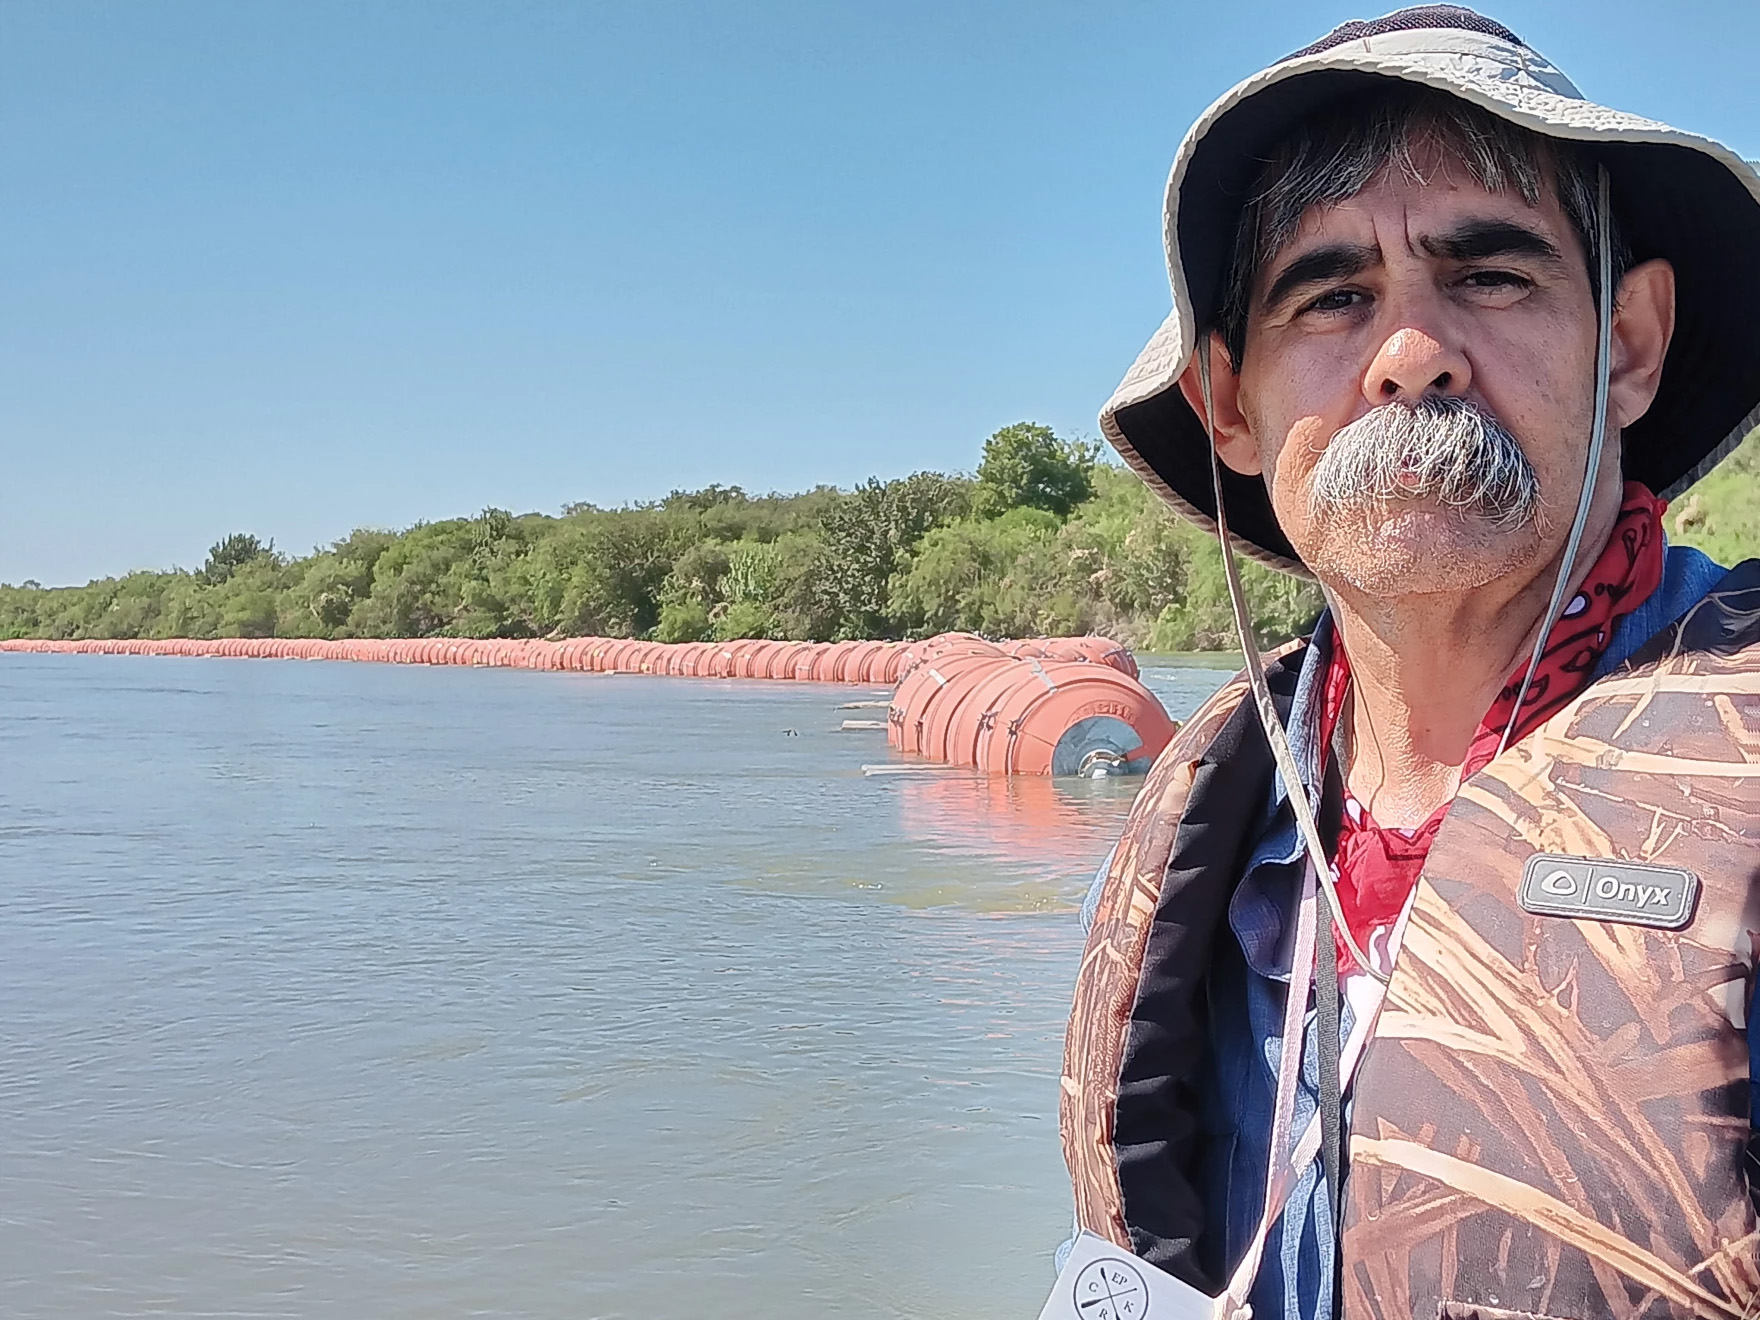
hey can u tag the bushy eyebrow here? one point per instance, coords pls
(1335, 261)
(1471, 240)
(1480, 240)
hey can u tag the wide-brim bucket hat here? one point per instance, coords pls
(1677, 195)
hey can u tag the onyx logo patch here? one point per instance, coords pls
(1594, 889)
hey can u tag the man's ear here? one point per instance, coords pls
(1235, 445)
(1643, 324)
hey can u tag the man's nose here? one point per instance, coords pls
(1412, 363)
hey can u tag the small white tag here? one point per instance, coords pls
(1102, 1282)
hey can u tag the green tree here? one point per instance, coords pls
(1003, 576)
(1026, 466)
(228, 556)
(1044, 540)
(684, 621)
(744, 618)
(868, 536)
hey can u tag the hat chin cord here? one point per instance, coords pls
(1267, 710)
(1597, 439)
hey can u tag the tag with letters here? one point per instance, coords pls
(1104, 1282)
(1598, 889)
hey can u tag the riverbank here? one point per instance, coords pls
(909, 558)
(895, 560)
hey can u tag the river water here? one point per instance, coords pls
(365, 990)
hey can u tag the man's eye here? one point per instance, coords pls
(1335, 300)
(1497, 279)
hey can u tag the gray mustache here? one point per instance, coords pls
(1446, 449)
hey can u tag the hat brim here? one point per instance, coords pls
(1680, 197)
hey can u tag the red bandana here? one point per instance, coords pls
(1377, 867)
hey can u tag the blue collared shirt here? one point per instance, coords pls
(1251, 973)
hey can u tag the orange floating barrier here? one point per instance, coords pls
(1074, 718)
(776, 661)
(904, 717)
(804, 659)
(948, 702)
(826, 661)
(978, 711)
(907, 659)
(1096, 650)
(740, 654)
(781, 660)
(948, 726)
(855, 660)
(892, 671)
(944, 645)
(947, 674)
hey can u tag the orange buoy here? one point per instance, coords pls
(740, 653)
(855, 660)
(754, 661)
(943, 645)
(946, 703)
(804, 659)
(891, 670)
(1074, 718)
(1096, 650)
(944, 674)
(824, 662)
(598, 654)
(906, 661)
(776, 662)
(978, 711)
(782, 659)
(875, 663)
(905, 713)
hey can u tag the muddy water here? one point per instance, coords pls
(354, 990)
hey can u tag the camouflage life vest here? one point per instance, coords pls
(1551, 1118)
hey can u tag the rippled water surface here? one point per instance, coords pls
(361, 990)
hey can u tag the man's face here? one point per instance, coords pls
(1411, 290)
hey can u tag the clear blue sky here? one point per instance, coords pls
(293, 267)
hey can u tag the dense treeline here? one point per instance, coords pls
(1044, 539)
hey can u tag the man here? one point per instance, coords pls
(1444, 336)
